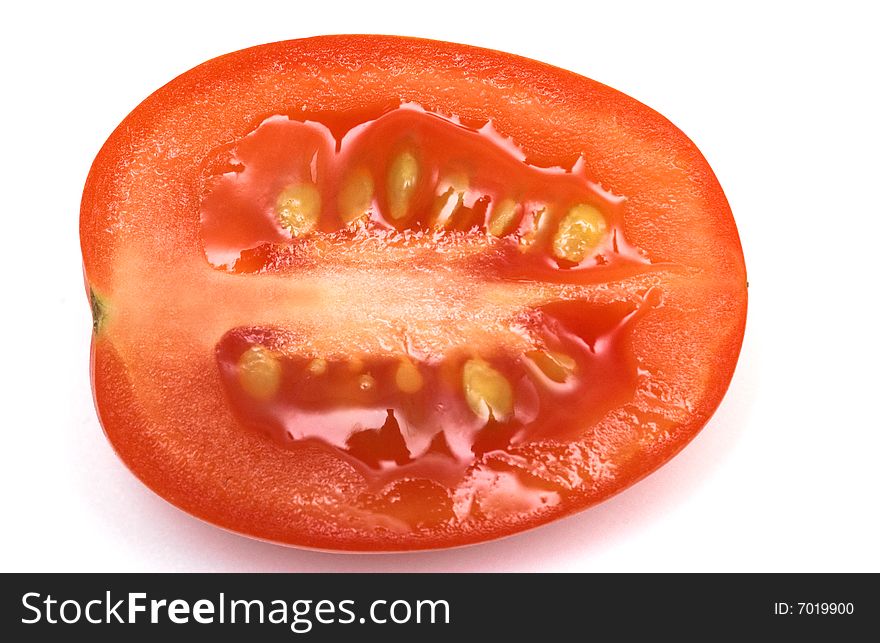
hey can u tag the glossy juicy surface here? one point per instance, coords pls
(407, 316)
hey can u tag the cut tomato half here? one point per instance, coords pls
(378, 293)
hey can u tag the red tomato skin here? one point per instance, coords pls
(168, 421)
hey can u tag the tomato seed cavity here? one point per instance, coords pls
(445, 271)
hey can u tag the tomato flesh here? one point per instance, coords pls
(396, 317)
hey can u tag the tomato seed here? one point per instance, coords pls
(408, 378)
(503, 217)
(488, 393)
(318, 366)
(557, 366)
(447, 203)
(403, 177)
(259, 372)
(356, 195)
(579, 233)
(298, 208)
(366, 382)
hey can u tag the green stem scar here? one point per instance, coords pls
(99, 310)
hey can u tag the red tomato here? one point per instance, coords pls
(376, 293)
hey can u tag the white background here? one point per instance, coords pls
(782, 100)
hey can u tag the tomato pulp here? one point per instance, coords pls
(377, 293)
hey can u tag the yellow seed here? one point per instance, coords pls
(403, 176)
(451, 199)
(579, 233)
(366, 382)
(317, 366)
(557, 366)
(259, 372)
(298, 208)
(445, 206)
(487, 392)
(408, 378)
(503, 216)
(356, 195)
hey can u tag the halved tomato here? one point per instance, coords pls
(378, 293)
